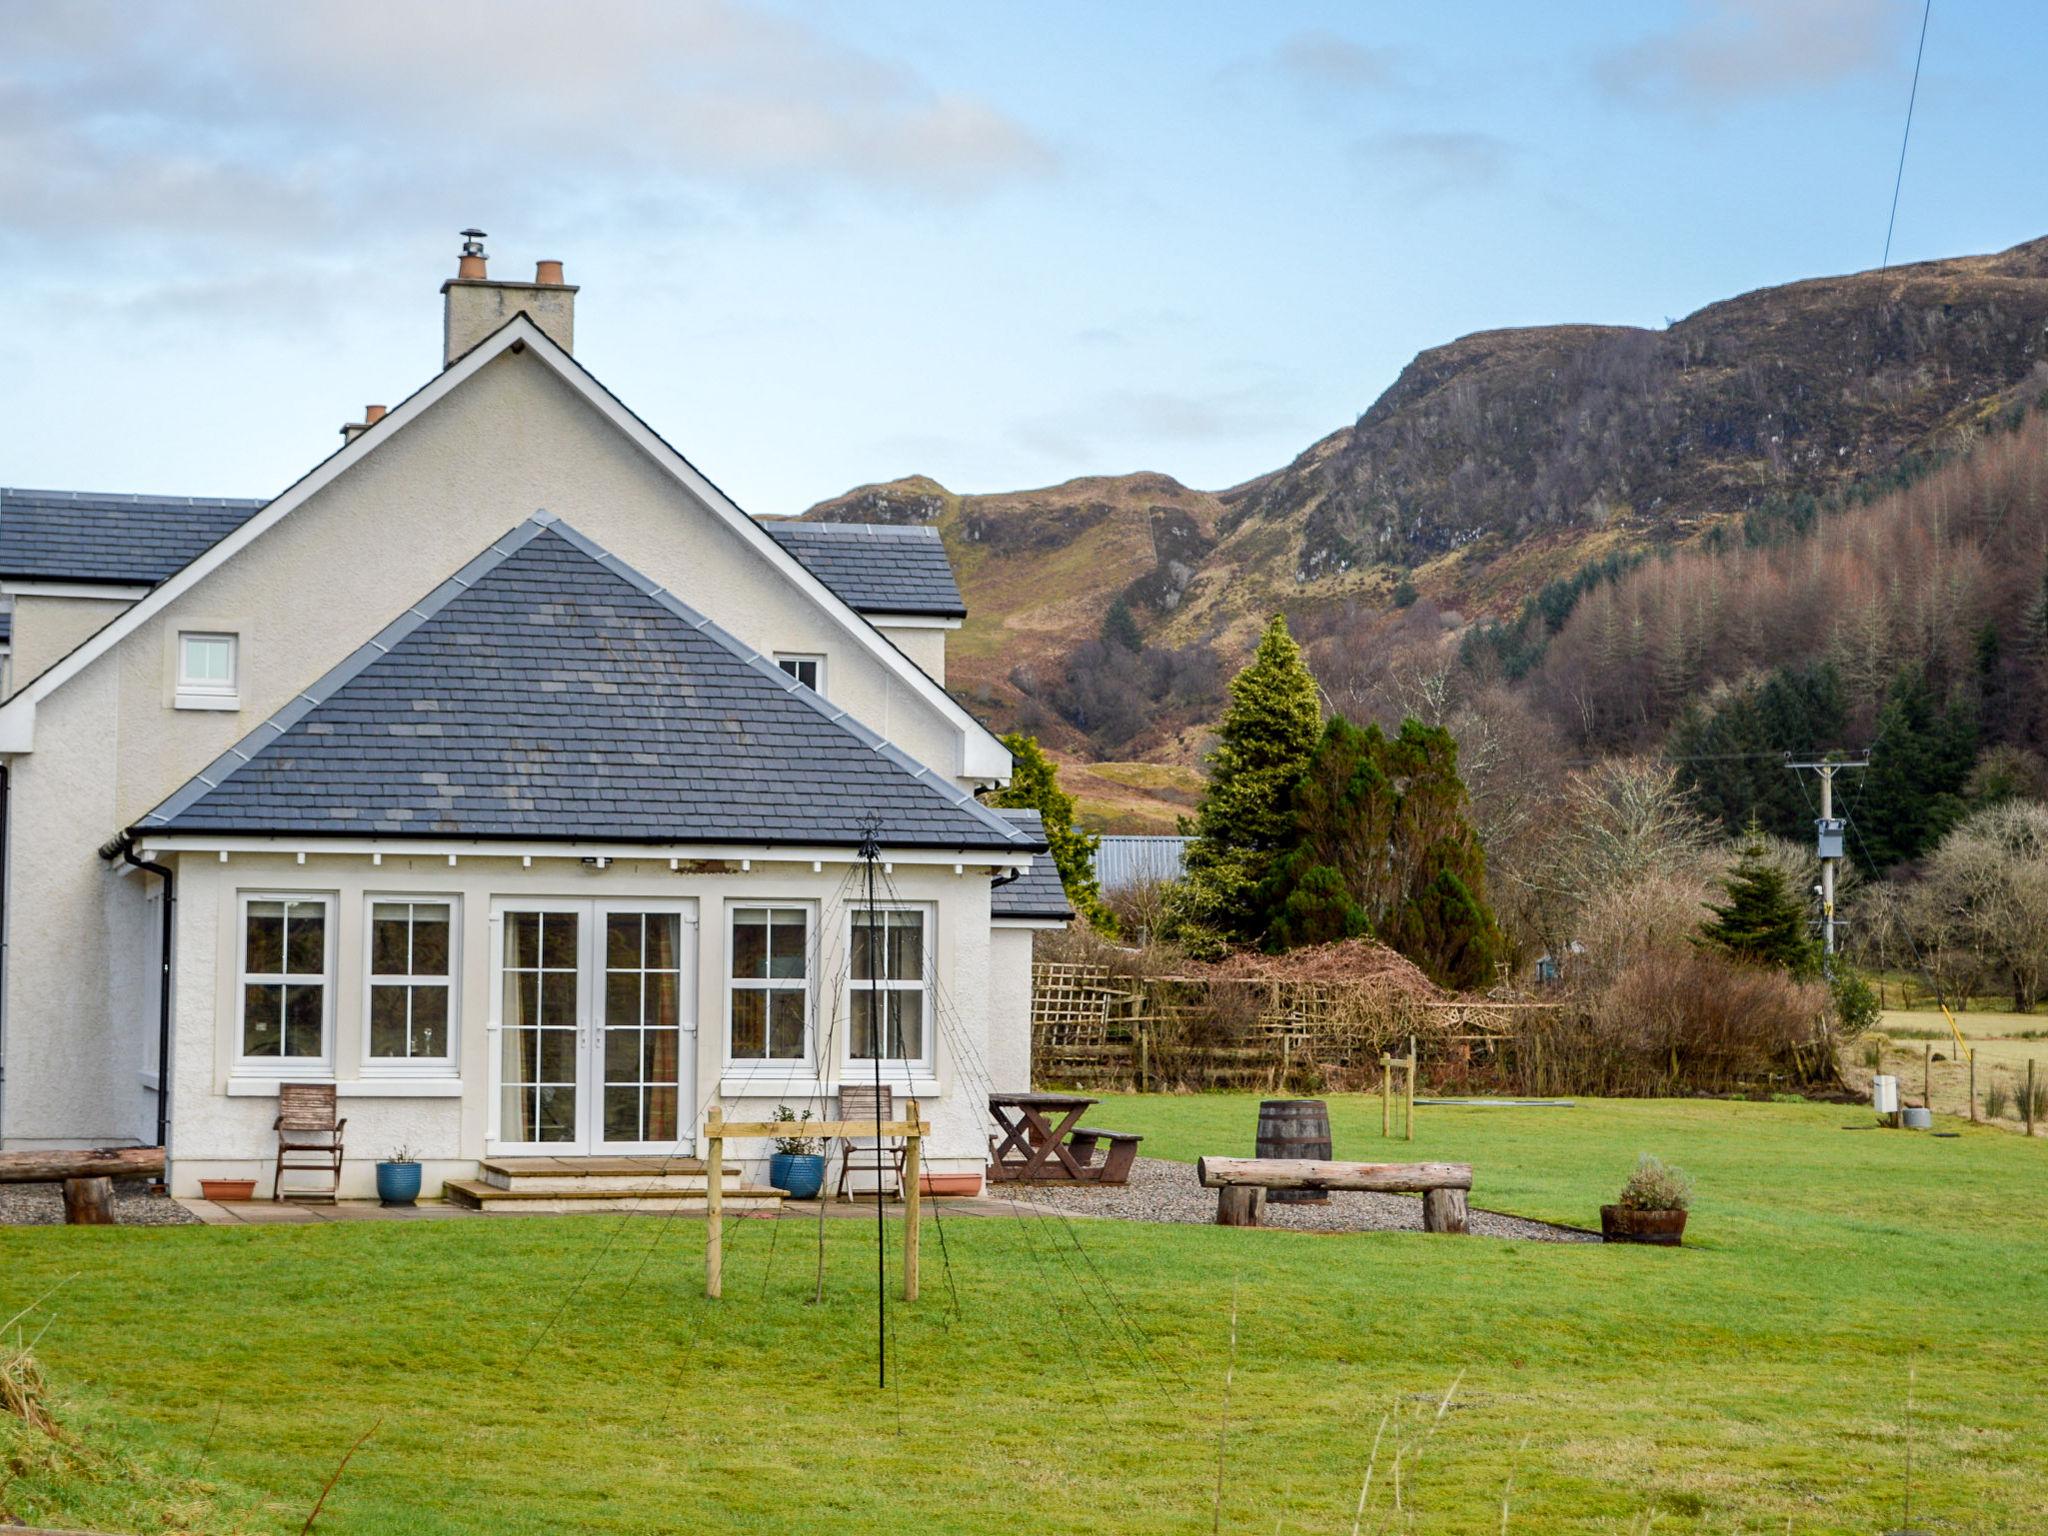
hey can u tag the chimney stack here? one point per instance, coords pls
(473, 306)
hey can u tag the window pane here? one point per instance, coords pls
(557, 1114)
(622, 1114)
(515, 1113)
(208, 659)
(622, 999)
(787, 943)
(749, 943)
(658, 1065)
(622, 940)
(907, 1025)
(661, 1114)
(660, 1000)
(263, 954)
(305, 938)
(304, 1011)
(430, 1021)
(262, 1020)
(558, 999)
(786, 1025)
(663, 940)
(863, 948)
(860, 1043)
(622, 1055)
(387, 1021)
(558, 1056)
(522, 941)
(749, 1023)
(558, 940)
(906, 946)
(432, 930)
(521, 1056)
(389, 932)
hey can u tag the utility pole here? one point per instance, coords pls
(1828, 841)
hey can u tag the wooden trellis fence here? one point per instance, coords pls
(1093, 1028)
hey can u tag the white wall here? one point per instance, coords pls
(1009, 1009)
(925, 645)
(46, 629)
(222, 1122)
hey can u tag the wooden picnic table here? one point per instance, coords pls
(1032, 1148)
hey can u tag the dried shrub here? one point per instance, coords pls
(23, 1391)
(1655, 1186)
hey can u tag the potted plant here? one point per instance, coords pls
(228, 1190)
(398, 1179)
(798, 1166)
(1652, 1206)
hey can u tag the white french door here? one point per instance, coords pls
(594, 1027)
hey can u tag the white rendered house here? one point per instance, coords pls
(503, 773)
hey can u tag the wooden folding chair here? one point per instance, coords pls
(308, 1137)
(864, 1106)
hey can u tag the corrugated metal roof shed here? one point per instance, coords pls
(1122, 862)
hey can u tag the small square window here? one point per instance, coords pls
(808, 670)
(207, 668)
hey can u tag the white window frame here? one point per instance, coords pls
(769, 1067)
(814, 658)
(413, 1066)
(284, 1068)
(924, 1065)
(210, 693)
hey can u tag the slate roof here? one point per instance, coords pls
(876, 568)
(548, 692)
(122, 540)
(1038, 891)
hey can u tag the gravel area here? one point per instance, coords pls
(1163, 1191)
(42, 1205)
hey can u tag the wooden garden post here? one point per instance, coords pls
(89, 1202)
(1409, 1133)
(714, 1203)
(1386, 1096)
(1973, 1087)
(913, 1176)
(1927, 1080)
(2030, 1095)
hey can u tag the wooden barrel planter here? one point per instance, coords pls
(1299, 1129)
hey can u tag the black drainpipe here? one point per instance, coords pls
(163, 1007)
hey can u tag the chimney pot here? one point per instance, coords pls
(547, 274)
(372, 414)
(472, 264)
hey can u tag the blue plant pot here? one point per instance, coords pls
(800, 1175)
(398, 1183)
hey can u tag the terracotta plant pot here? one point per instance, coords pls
(1625, 1224)
(949, 1184)
(228, 1190)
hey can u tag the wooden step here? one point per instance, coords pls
(476, 1195)
(620, 1175)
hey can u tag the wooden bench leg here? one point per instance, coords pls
(1444, 1210)
(1237, 1205)
(1116, 1168)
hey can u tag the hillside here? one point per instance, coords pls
(1494, 464)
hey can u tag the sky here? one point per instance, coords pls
(825, 244)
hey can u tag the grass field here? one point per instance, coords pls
(556, 1374)
(2003, 1044)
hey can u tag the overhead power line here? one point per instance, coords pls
(1899, 177)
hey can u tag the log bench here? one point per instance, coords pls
(88, 1177)
(1241, 1184)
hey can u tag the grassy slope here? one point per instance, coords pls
(1753, 1377)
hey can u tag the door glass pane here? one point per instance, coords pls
(558, 998)
(522, 938)
(622, 939)
(621, 1055)
(558, 1056)
(662, 1000)
(661, 1114)
(557, 1117)
(622, 999)
(622, 1114)
(558, 940)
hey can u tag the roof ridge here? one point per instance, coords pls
(501, 549)
(133, 498)
(897, 530)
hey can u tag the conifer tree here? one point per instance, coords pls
(1246, 815)
(1762, 922)
(1035, 785)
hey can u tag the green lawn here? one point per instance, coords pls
(567, 1374)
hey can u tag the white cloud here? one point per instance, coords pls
(1726, 51)
(211, 127)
